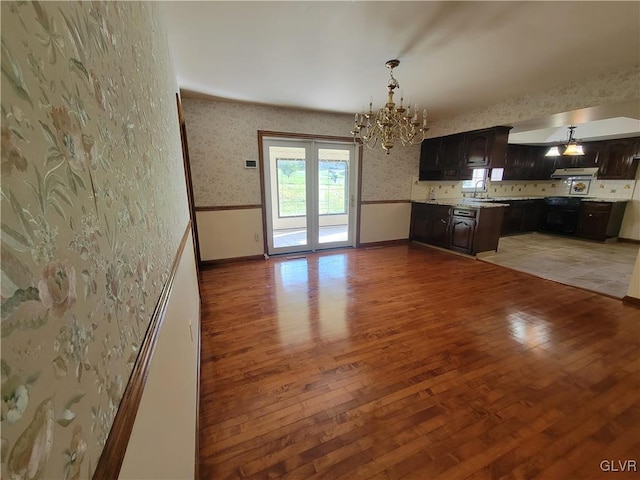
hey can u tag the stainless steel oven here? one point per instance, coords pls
(560, 215)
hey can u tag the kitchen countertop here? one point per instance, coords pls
(495, 201)
(584, 199)
(610, 200)
(507, 199)
(462, 202)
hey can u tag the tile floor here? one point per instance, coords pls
(600, 267)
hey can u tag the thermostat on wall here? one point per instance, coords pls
(250, 164)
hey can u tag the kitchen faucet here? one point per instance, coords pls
(475, 188)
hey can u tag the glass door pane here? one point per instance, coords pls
(333, 195)
(288, 182)
(309, 201)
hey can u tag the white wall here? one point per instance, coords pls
(381, 222)
(631, 222)
(162, 443)
(634, 284)
(230, 233)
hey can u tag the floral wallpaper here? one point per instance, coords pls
(93, 209)
(600, 90)
(222, 135)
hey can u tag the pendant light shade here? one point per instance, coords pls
(553, 152)
(573, 149)
(570, 148)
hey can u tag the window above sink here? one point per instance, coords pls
(478, 182)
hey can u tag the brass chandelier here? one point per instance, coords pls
(390, 124)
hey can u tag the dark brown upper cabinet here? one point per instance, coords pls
(527, 162)
(615, 159)
(518, 164)
(453, 157)
(543, 166)
(440, 159)
(485, 148)
(452, 154)
(618, 160)
(430, 154)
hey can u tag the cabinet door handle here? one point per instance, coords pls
(591, 214)
(443, 220)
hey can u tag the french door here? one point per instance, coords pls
(310, 191)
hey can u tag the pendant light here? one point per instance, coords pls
(571, 148)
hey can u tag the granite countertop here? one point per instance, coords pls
(610, 200)
(492, 199)
(495, 201)
(462, 202)
(509, 199)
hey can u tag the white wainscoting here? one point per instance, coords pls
(380, 222)
(163, 440)
(230, 233)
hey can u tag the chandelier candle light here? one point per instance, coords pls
(390, 124)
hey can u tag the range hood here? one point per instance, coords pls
(586, 173)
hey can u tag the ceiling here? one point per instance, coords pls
(330, 56)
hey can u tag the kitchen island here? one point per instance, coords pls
(462, 225)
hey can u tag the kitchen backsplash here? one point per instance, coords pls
(608, 189)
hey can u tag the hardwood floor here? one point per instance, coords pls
(407, 362)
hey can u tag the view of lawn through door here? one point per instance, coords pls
(329, 170)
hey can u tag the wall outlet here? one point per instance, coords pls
(256, 237)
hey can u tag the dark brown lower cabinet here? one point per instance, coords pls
(420, 222)
(532, 215)
(512, 221)
(467, 230)
(440, 226)
(600, 220)
(521, 216)
(430, 223)
(463, 226)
